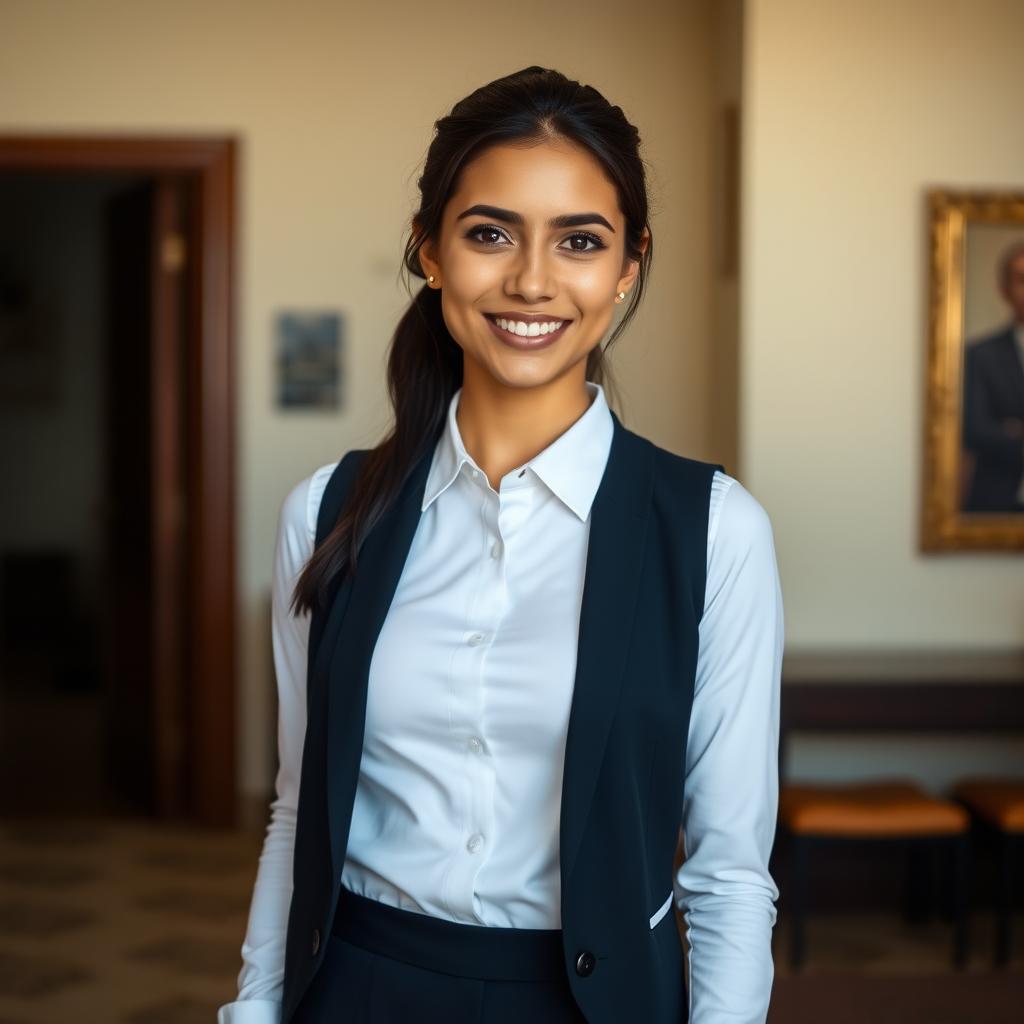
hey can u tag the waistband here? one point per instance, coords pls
(450, 947)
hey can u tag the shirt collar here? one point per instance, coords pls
(571, 466)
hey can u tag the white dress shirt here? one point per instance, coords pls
(457, 807)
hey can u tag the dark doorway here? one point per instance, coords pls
(116, 554)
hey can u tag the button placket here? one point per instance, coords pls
(485, 610)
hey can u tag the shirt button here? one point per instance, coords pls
(475, 842)
(474, 743)
(475, 639)
(496, 549)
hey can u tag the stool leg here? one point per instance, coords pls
(961, 895)
(917, 890)
(929, 851)
(1002, 895)
(798, 901)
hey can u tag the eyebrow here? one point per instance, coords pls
(565, 220)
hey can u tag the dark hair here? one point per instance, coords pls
(424, 361)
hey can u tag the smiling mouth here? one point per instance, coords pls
(528, 330)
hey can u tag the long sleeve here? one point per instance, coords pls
(724, 887)
(261, 978)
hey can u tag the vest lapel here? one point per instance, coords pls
(378, 571)
(611, 582)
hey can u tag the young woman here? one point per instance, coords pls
(537, 642)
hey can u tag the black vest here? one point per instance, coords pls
(622, 791)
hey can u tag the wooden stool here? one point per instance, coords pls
(997, 805)
(893, 810)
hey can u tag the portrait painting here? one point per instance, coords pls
(974, 429)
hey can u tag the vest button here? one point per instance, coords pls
(316, 940)
(585, 963)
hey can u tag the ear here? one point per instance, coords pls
(427, 256)
(632, 266)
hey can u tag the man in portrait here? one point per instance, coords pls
(993, 422)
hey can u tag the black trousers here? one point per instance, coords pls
(383, 964)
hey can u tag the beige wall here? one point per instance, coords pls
(334, 104)
(727, 91)
(852, 111)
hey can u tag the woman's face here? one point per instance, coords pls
(502, 252)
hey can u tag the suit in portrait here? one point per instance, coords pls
(993, 400)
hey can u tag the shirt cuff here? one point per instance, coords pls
(250, 1011)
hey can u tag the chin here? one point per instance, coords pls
(523, 376)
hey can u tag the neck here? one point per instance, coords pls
(502, 427)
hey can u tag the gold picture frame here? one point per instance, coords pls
(974, 407)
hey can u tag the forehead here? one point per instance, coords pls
(537, 180)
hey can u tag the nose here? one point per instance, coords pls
(531, 276)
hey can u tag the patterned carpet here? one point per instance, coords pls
(120, 922)
(136, 923)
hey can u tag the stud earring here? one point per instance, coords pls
(430, 280)
(620, 296)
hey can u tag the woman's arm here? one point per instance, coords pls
(261, 979)
(730, 800)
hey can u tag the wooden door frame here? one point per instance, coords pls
(211, 161)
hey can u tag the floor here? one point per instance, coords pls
(134, 923)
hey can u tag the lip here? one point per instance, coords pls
(526, 343)
(527, 318)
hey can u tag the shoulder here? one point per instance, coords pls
(677, 475)
(302, 503)
(671, 463)
(301, 506)
(738, 523)
(983, 347)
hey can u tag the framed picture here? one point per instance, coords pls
(974, 409)
(309, 360)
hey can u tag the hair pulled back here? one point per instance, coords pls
(424, 367)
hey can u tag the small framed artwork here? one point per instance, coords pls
(974, 409)
(309, 347)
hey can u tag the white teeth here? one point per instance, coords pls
(528, 330)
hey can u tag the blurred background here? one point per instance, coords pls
(179, 179)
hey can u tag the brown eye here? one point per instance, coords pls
(585, 237)
(492, 234)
